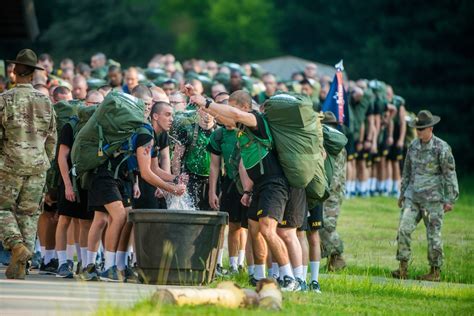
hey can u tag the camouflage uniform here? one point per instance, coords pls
(330, 239)
(429, 181)
(27, 145)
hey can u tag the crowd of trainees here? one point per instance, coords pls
(188, 148)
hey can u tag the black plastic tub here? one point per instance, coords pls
(177, 247)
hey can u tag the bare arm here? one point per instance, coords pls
(51, 139)
(403, 126)
(178, 155)
(165, 159)
(63, 154)
(213, 176)
(155, 168)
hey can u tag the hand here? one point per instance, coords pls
(400, 144)
(179, 189)
(159, 193)
(183, 178)
(136, 191)
(213, 201)
(448, 207)
(400, 201)
(189, 90)
(69, 192)
(198, 99)
(390, 141)
(246, 200)
(48, 200)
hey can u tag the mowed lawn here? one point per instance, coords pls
(368, 228)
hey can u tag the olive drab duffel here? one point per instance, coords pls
(334, 142)
(114, 123)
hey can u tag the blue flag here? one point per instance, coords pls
(336, 100)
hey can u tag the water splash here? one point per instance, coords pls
(183, 202)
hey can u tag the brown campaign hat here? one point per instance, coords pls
(329, 118)
(424, 119)
(26, 57)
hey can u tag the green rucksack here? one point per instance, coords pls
(84, 113)
(112, 125)
(65, 111)
(294, 126)
(334, 142)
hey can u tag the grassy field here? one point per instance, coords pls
(368, 228)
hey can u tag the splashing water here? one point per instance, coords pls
(183, 202)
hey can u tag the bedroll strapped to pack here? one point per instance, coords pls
(111, 126)
(334, 142)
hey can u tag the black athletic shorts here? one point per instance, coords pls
(147, 199)
(198, 188)
(104, 189)
(350, 148)
(269, 198)
(315, 219)
(230, 203)
(395, 153)
(77, 209)
(50, 208)
(296, 209)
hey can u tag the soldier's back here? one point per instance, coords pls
(27, 118)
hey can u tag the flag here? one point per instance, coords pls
(336, 100)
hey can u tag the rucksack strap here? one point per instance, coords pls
(100, 153)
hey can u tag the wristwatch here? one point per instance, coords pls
(208, 102)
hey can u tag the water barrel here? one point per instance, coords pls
(177, 247)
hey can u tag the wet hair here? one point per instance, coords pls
(158, 107)
(142, 91)
(60, 90)
(241, 98)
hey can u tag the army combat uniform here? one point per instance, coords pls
(27, 145)
(429, 181)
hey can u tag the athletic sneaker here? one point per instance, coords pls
(314, 287)
(5, 256)
(288, 284)
(90, 273)
(65, 271)
(50, 268)
(221, 272)
(303, 284)
(79, 268)
(253, 281)
(129, 275)
(233, 271)
(111, 275)
(36, 260)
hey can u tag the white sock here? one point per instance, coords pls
(134, 259)
(314, 270)
(353, 187)
(275, 270)
(259, 272)
(70, 249)
(241, 258)
(298, 272)
(37, 245)
(91, 255)
(220, 254)
(251, 269)
(43, 251)
(305, 272)
(109, 259)
(83, 255)
(48, 255)
(388, 185)
(358, 186)
(62, 257)
(233, 262)
(121, 260)
(270, 272)
(78, 252)
(286, 271)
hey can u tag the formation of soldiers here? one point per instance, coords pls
(194, 110)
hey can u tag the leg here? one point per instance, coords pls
(259, 249)
(234, 244)
(433, 222)
(295, 252)
(305, 251)
(268, 228)
(410, 217)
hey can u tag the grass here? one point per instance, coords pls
(368, 228)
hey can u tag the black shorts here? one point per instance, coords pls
(269, 199)
(395, 153)
(77, 209)
(50, 208)
(198, 188)
(147, 199)
(296, 209)
(104, 189)
(350, 148)
(315, 219)
(230, 203)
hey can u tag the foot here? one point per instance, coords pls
(111, 275)
(434, 275)
(289, 284)
(17, 267)
(221, 272)
(65, 271)
(50, 268)
(79, 268)
(233, 271)
(90, 273)
(36, 261)
(402, 271)
(129, 275)
(253, 281)
(336, 263)
(303, 284)
(314, 287)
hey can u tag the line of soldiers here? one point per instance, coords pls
(201, 151)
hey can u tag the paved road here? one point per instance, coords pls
(48, 295)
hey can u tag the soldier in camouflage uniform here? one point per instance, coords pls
(27, 143)
(429, 189)
(332, 245)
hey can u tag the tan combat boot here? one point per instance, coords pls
(17, 267)
(335, 263)
(402, 272)
(434, 275)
